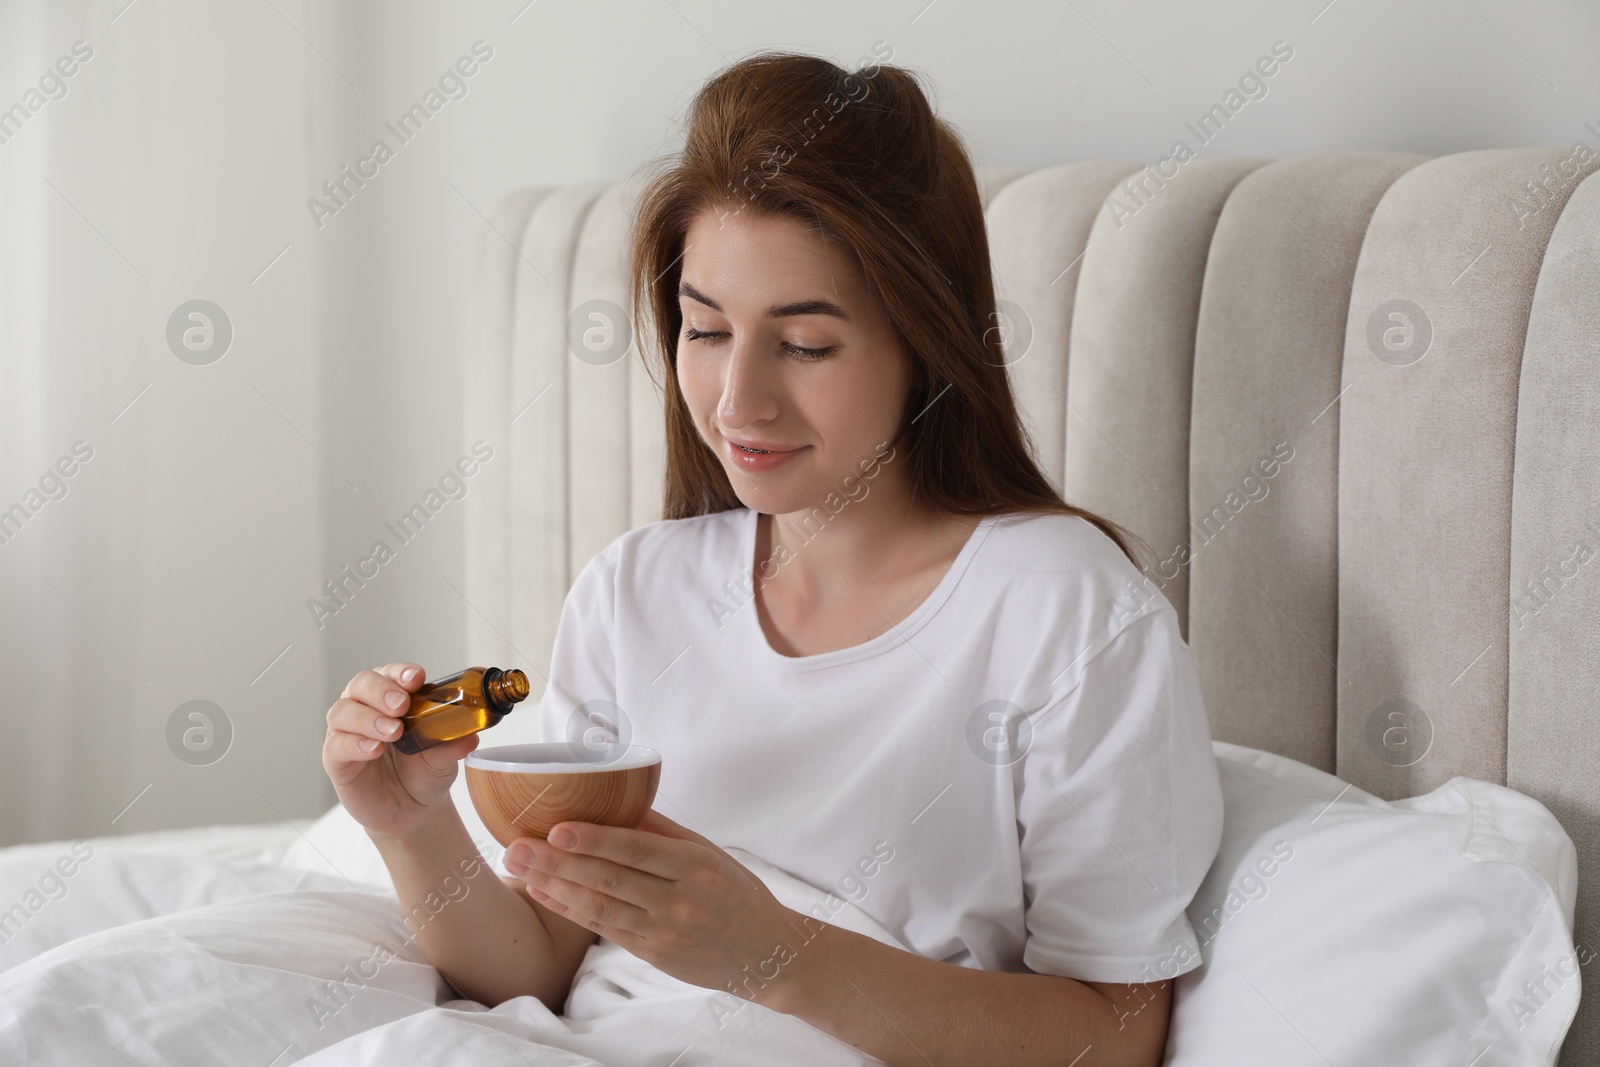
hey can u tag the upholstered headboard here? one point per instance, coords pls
(1351, 403)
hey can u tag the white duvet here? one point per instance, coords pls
(175, 960)
(269, 945)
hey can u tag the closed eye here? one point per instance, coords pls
(715, 337)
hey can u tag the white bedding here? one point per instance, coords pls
(297, 966)
(107, 954)
(249, 843)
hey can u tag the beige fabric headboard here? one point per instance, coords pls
(1410, 346)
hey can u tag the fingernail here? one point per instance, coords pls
(390, 726)
(563, 838)
(394, 698)
(366, 744)
(408, 674)
(518, 858)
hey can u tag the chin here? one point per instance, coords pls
(766, 501)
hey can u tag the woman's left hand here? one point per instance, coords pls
(661, 891)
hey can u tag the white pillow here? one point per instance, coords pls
(337, 845)
(1339, 928)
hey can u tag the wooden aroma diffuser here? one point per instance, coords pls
(524, 790)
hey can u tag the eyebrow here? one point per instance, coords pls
(776, 311)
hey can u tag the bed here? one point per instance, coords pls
(1405, 608)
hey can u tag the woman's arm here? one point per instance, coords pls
(906, 1009)
(677, 901)
(490, 942)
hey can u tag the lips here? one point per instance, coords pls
(760, 457)
(761, 448)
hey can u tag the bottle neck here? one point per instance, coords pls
(504, 689)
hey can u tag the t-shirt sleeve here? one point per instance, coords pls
(581, 690)
(1120, 813)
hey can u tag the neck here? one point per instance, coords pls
(826, 552)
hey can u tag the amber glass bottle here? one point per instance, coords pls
(464, 703)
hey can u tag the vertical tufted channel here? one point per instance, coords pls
(1433, 352)
(647, 428)
(1130, 374)
(539, 536)
(486, 370)
(1261, 549)
(1038, 228)
(1553, 715)
(602, 346)
(991, 180)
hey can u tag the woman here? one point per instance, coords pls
(872, 643)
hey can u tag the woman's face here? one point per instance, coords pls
(785, 349)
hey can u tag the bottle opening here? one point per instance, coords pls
(505, 688)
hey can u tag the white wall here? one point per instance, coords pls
(172, 169)
(194, 539)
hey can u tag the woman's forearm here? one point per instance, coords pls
(906, 1009)
(484, 937)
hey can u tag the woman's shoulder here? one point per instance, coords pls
(1067, 560)
(684, 546)
(1048, 542)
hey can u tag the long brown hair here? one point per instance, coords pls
(861, 159)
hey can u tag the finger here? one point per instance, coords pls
(635, 943)
(639, 850)
(588, 907)
(441, 759)
(380, 691)
(409, 675)
(342, 747)
(535, 861)
(353, 716)
(656, 823)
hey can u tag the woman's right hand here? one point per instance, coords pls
(387, 792)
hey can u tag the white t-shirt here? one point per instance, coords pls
(1018, 776)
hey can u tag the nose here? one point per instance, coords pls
(750, 389)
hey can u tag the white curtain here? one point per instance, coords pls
(159, 518)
